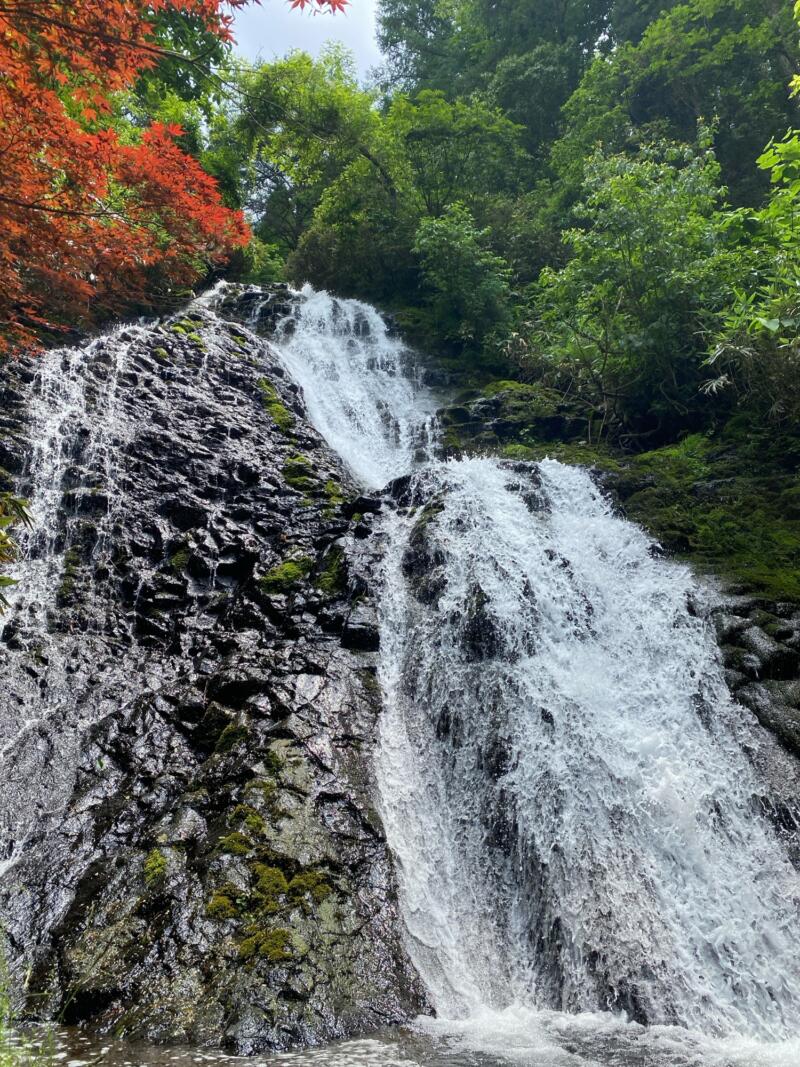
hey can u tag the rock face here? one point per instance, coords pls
(760, 643)
(192, 852)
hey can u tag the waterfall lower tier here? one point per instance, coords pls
(564, 777)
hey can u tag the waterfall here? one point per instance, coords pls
(360, 384)
(74, 429)
(585, 873)
(564, 778)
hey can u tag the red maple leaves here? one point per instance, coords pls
(89, 223)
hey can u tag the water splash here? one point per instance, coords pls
(360, 384)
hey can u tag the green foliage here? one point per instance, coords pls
(468, 284)
(756, 352)
(262, 263)
(621, 326)
(721, 60)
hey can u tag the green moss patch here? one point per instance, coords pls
(277, 411)
(235, 844)
(221, 907)
(298, 473)
(273, 945)
(233, 734)
(286, 576)
(155, 868)
(309, 884)
(332, 580)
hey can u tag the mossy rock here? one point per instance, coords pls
(275, 945)
(235, 733)
(250, 819)
(287, 575)
(277, 411)
(332, 579)
(235, 844)
(155, 868)
(221, 907)
(311, 884)
(298, 473)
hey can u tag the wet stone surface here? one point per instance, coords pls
(190, 848)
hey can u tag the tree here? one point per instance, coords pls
(623, 326)
(726, 61)
(468, 285)
(300, 122)
(93, 221)
(755, 355)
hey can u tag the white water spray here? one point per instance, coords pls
(360, 385)
(563, 774)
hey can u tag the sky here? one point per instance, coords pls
(272, 29)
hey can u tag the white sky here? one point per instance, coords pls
(271, 29)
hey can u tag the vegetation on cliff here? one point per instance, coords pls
(597, 202)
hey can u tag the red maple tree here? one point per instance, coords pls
(89, 224)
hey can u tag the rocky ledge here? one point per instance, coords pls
(192, 851)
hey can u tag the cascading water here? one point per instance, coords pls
(359, 383)
(564, 778)
(565, 782)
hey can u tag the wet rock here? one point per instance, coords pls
(210, 868)
(361, 629)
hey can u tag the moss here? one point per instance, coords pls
(233, 734)
(179, 559)
(273, 762)
(251, 819)
(271, 888)
(277, 411)
(155, 868)
(235, 843)
(263, 788)
(309, 884)
(273, 945)
(332, 580)
(161, 354)
(69, 573)
(221, 907)
(276, 945)
(298, 473)
(334, 495)
(285, 576)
